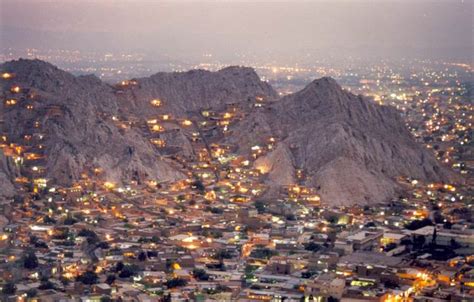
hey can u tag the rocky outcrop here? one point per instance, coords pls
(351, 149)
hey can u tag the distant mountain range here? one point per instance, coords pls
(350, 149)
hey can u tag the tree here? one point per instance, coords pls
(215, 210)
(223, 254)
(454, 244)
(212, 233)
(263, 253)
(176, 282)
(103, 245)
(69, 220)
(142, 256)
(46, 284)
(152, 254)
(119, 266)
(41, 245)
(216, 266)
(29, 260)
(9, 288)
(312, 246)
(65, 281)
(105, 299)
(260, 206)
(391, 284)
(200, 274)
(418, 224)
(390, 246)
(86, 233)
(88, 278)
(110, 279)
(249, 271)
(128, 271)
(433, 240)
(61, 234)
(33, 239)
(370, 224)
(448, 224)
(49, 220)
(438, 217)
(307, 274)
(199, 186)
(418, 242)
(31, 293)
(219, 289)
(333, 218)
(406, 241)
(91, 236)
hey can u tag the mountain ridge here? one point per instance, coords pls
(322, 129)
(331, 130)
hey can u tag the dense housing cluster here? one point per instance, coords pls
(210, 237)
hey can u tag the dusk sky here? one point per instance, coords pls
(366, 29)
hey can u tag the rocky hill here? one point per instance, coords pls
(189, 92)
(66, 121)
(350, 149)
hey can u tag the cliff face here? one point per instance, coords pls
(350, 149)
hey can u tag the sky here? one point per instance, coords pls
(435, 29)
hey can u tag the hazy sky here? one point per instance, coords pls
(360, 28)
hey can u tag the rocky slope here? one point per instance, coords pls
(187, 93)
(71, 114)
(350, 149)
(7, 174)
(79, 119)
